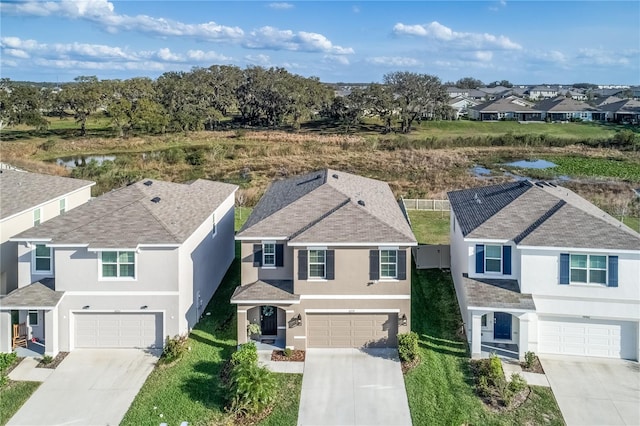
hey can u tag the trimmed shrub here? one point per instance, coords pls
(408, 348)
(174, 348)
(245, 355)
(496, 374)
(46, 359)
(287, 352)
(517, 383)
(529, 359)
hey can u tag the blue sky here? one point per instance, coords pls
(338, 41)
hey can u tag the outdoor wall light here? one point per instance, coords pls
(86, 307)
(403, 320)
(143, 307)
(298, 320)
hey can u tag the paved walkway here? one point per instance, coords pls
(342, 387)
(594, 391)
(89, 387)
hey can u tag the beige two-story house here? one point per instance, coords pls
(325, 263)
(26, 200)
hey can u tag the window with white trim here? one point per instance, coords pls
(117, 264)
(388, 264)
(42, 258)
(37, 213)
(492, 258)
(269, 254)
(588, 269)
(33, 317)
(317, 263)
(63, 205)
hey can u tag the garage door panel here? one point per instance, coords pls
(118, 330)
(352, 330)
(588, 337)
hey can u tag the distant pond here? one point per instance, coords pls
(532, 164)
(83, 160)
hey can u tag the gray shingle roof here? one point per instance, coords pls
(36, 295)
(496, 293)
(508, 104)
(276, 290)
(538, 216)
(563, 104)
(329, 206)
(20, 191)
(126, 217)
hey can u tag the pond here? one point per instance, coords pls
(532, 164)
(81, 160)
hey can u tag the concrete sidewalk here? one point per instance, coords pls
(353, 387)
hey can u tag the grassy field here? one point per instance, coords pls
(430, 227)
(440, 390)
(12, 396)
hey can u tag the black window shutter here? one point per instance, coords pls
(257, 255)
(302, 264)
(402, 264)
(330, 271)
(506, 260)
(479, 258)
(279, 254)
(374, 264)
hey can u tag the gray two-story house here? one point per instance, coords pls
(325, 263)
(124, 270)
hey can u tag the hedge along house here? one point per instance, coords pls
(124, 270)
(325, 263)
(538, 268)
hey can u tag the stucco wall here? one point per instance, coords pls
(251, 273)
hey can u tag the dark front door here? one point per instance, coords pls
(501, 325)
(269, 320)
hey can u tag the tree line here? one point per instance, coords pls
(205, 98)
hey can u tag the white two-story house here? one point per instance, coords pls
(27, 200)
(538, 268)
(124, 270)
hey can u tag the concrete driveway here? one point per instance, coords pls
(90, 387)
(595, 391)
(353, 387)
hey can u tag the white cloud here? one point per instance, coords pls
(605, 57)
(201, 56)
(336, 59)
(394, 61)
(483, 55)
(16, 53)
(272, 38)
(166, 55)
(280, 6)
(438, 32)
(263, 60)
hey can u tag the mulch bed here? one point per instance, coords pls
(296, 356)
(56, 361)
(535, 368)
(407, 366)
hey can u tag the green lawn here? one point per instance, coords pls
(190, 389)
(430, 227)
(440, 389)
(12, 396)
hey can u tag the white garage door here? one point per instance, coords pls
(118, 330)
(352, 330)
(587, 337)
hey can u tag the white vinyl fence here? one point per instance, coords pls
(422, 204)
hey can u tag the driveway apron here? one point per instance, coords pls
(594, 391)
(353, 387)
(90, 387)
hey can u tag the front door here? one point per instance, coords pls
(501, 325)
(269, 320)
